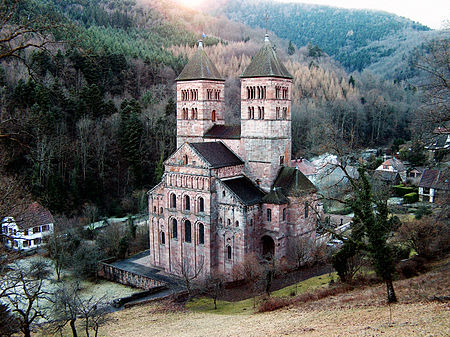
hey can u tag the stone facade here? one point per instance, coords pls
(224, 195)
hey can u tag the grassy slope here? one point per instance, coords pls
(361, 312)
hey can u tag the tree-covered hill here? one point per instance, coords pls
(89, 116)
(341, 33)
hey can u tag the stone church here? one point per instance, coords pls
(228, 190)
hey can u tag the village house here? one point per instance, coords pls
(434, 186)
(228, 190)
(393, 165)
(25, 231)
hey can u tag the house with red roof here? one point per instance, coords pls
(25, 231)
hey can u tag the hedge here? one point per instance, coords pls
(411, 197)
(400, 190)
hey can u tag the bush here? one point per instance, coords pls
(428, 237)
(411, 267)
(411, 197)
(400, 190)
(273, 303)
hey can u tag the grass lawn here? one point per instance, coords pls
(206, 305)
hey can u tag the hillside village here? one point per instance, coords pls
(159, 180)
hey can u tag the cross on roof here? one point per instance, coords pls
(266, 18)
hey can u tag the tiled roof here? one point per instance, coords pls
(435, 179)
(245, 190)
(200, 67)
(396, 164)
(224, 132)
(276, 197)
(442, 182)
(217, 154)
(440, 141)
(266, 63)
(34, 215)
(387, 176)
(428, 177)
(292, 182)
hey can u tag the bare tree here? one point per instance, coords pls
(214, 285)
(69, 305)
(190, 273)
(435, 64)
(23, 26)
(23, 290)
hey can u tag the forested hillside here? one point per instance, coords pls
(342, 33)
(89, 116)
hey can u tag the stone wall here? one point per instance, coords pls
(125, 277)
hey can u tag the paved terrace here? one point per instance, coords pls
(140, 265)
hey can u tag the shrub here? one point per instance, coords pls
(273, 303)
(428, 237)
(411, 197)
(411, 267)
(400, 190)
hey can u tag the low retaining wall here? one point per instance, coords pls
(122, 276)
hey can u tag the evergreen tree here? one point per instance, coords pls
(370, 232)
(291, 49)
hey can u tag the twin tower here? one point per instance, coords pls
(263, 138)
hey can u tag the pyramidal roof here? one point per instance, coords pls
(200, 67)
(266, 63)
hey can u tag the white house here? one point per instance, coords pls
(393, 165)
(26, 230)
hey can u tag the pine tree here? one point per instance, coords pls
(291, 49)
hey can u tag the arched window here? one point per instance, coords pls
(237, 223)
(187, 231)
(185, 113)
(187, 203)
(163, 238)
(173, 201)
(248, 93)
(201, 204)
(154, 209)
(306, 209)
(228, 222)
(201, 234)
(213, 115)
(185, 159)
(284, 214)
(259, 112)
(262, 112)
(174, 228)
(229, 252)
(269, 215)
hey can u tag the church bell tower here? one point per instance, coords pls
(200, 98)
(266, 116)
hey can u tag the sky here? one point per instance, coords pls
(431, 13)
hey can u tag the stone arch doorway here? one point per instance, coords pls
(268, 247)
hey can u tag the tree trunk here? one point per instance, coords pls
(26, 331)
(73, 327)
(390, 291)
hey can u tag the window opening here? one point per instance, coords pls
(229, 252)
(187, 231)
(174, 228)
(201, 234)
(269, 215)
